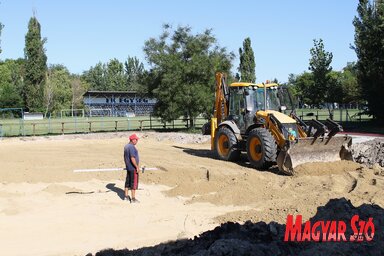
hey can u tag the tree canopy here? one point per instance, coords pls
(57, 93)
(11, 83)
(247, 62)
(35, 67)
(183, 67)
(115, 75)
(369, 48)
(1, 29)
(320, 65)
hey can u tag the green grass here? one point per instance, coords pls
(19, 127)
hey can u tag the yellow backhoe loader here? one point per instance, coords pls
(251, 118)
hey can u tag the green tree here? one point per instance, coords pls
(182, 72)
(292, 85)
(320, 65)
(58, 93)
(11, 83)
(303, 85)
(116, 78)
(35, 67)
(1, 29)
(350, 87)
(135, 72)
(247, 62)
(96, 77)
(78, 88)
(335, 92)
(369, 48)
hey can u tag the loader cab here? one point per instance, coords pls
(277, 98)
(245, 99)
(237, 105)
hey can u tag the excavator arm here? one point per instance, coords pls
(221, 97)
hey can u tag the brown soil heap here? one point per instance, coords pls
(268, 239)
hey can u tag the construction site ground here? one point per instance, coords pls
(47, 209)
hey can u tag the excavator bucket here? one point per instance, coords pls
(320, 149)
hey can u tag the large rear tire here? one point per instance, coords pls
(261, 148)
(226, 146)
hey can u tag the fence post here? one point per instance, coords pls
(33, 130)
(346, 114)
(22, 128)
(90, 126)
(49, 125)
(150, 121)
(341, 115)
(116, 125)
(1, 130)
(62, 128)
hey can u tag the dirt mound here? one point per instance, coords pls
(177, 137)
(182, 138)
(369, 153)
(195, 177)
(325, 168)
(268, 239)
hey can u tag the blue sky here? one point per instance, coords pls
(83, 32)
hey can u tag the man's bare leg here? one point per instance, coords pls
(126, 194)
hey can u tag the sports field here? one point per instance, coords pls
(69, 125)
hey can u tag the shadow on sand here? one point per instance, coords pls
(244, 162)
(117, 190)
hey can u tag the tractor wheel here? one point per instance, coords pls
(226, 145)
(261, 148)
(206, 128)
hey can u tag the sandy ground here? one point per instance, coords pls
(47, 209)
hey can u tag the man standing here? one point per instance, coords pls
(131, 159)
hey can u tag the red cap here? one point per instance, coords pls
(133, 137)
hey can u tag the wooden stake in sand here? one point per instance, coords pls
(114, 169)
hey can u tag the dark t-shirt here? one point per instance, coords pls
(130, 151)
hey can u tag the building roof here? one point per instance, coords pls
(108, 93)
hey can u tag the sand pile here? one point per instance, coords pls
(191, 192)
(268, 239)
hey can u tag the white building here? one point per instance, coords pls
(115, 103)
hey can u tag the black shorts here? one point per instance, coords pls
(132, 180)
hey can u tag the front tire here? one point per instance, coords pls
(261, 148)
(226, 145)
